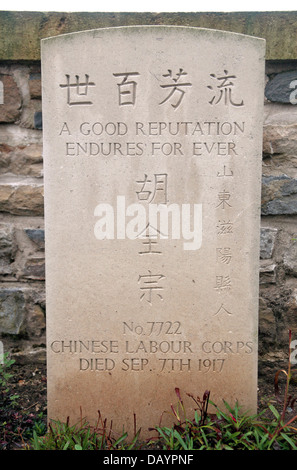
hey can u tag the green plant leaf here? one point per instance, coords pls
(274, 411)
(181, 441)
(289, 440)
(121, 439)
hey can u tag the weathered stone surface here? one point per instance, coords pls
(267, 325)
(34, 269)
(22, 312)
(35, 322)
(22, 160)
(11, 102)
(291, 313)
(36, 236)
(7, 243)
(14, 136)
(20, 32)
(290, 258)
(274, 305)
(12, 303)
(24, 197)
(35, 85)
(28, 118)
(280, 88)
(38, 120)
(279, 114)
(267, 242)
(279, 138)
(30, 354)
(5, 151)
(279, 195)
(267, 272)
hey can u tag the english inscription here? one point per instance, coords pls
(141, 341)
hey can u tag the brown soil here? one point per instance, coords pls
(29, 382)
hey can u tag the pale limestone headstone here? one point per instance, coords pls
(152, 156)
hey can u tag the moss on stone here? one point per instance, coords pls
(21, 32)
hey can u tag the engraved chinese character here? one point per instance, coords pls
(225, 172)
(222, 283)
(224, 89)
(224, 227)
(77, 91)
(222, 309)
(150, 233)
(127, 88)
(149, 286)
(157, 192)
(224, 197)
(224, 255)
(176, 88)
(150, 250)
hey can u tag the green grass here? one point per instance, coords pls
(81, 436)
(227, 429)
(230, 429)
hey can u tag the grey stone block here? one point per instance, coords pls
(278, 89)
(279, 195)
(36, 236)
(267, 242)
(12, 303)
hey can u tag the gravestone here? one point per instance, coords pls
(152, 160)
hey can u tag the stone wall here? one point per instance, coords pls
(22, 266)
(22, 260)
(278, 264)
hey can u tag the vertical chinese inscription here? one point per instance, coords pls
(151, 219)
(151, 191)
